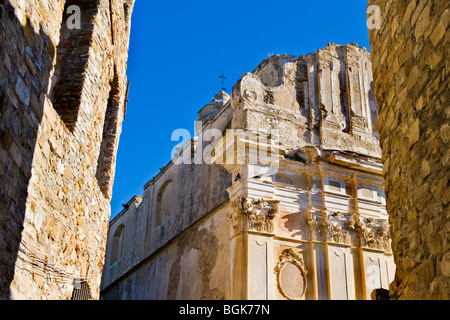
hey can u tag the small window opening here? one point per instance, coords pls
(335, 185)
(163, 203)
(117, 245)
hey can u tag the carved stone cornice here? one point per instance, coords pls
(255, 215)
(372, 233)
(350, 230)
(335, 227)
(289, 255)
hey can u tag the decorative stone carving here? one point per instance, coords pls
(349, 226)
(361, 232)
(372, 233)
(291, 275)
(333, 228)
(249, 95)
(384, 237)
(257, 215)
(338, 228)
(369, 238)
(338, 215)
(371, 222)
(336, 233)
(350, 223)
(311, 225)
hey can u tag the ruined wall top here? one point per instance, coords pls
(63, 89)
(323, 100)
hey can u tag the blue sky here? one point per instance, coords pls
(178, 50)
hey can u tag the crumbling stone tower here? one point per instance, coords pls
(411, 82)
(63, 89)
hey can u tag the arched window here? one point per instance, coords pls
(163, 203)
(117, 244)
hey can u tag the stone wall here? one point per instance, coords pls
(410, 65)
(54, 199)
(147, 239)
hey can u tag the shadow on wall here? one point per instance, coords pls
(26, 60)
(380, 294)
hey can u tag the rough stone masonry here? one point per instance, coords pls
(62, 99)
(410, 67)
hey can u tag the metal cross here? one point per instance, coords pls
(223, 80)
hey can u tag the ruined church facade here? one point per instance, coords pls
(288, 204)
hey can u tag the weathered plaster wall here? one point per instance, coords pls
(191, 192)
(195, 265)
(54, 211)
(410, 64)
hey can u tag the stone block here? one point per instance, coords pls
(22, 91)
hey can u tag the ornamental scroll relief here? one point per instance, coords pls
(291, 274)
(348, 229)
(256, 215)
